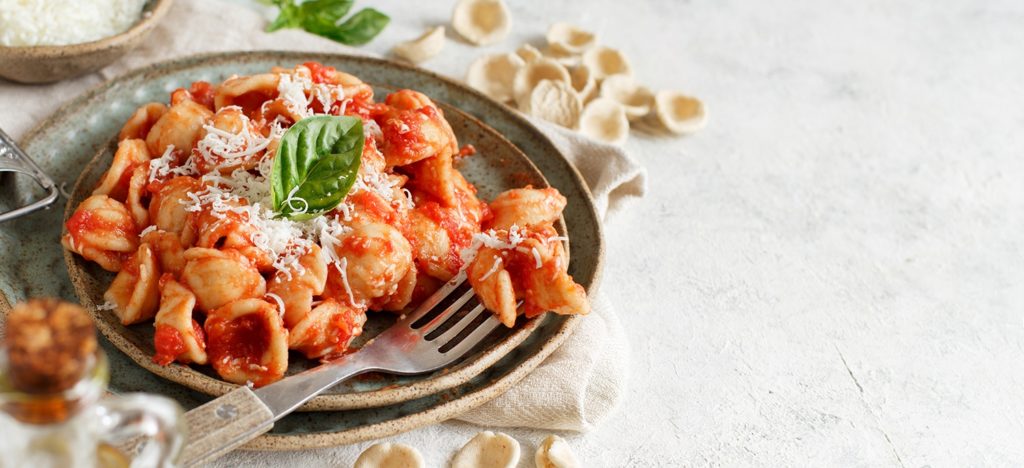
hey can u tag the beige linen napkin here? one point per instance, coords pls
(575, 388)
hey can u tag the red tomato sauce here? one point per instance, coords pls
(319, 72)
(169, 344)
(84, 221)
(244, 338)
(202, 93)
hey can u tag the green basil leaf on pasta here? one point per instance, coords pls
(316, 164)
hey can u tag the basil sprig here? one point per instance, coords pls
(321, 17)
(316, 165)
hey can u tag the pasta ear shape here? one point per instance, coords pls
(493, 285)
(135, 291)
(139, 124)
(526, 207)
(247, 342)
(115, 182)
(218, 277)
(327, 330)
(101, 230)
(296, 288)
(178, 127)
(178, 336)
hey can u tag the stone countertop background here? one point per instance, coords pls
(832, 272)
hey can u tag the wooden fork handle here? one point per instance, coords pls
(224, 424)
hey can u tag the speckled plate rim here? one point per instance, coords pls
(191, 378)
(453, 407)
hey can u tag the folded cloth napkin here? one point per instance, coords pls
(578, 385)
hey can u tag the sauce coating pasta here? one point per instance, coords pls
(184, 216)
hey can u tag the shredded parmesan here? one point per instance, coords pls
(148, 230)
(167, 165)
(494, 268)
(61, 22)
(278, 300)
(222, 148)
(107, 306)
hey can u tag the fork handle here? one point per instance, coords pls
(223, 424)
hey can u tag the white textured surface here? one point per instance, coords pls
(831, 272)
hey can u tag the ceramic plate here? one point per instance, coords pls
(32, 262)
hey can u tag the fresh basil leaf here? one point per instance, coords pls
(317, 162)
(324, 11)
(358, 29)
(288, 17)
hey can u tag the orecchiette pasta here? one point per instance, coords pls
(297, 286)
(178, 127)
(115, 182)
(139, 124)
(327, 330)
(102, 230)
(247, 342)
(178, 336)
(184, 216)
(135, 289)
(218, 277)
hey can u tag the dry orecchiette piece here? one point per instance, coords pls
(533, 73)
(605, 120)
(565, 58)
(583, 82)
(570, 39)
(482, 22)
(494, 75)
(606, 61)
(556, 102)
(423, 48)
(529, 53)
(636, 100)
(389, 455)
(135, 290)
(497, 450)
(555, 452)
(679, 113)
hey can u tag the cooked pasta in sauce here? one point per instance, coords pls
(184, 217)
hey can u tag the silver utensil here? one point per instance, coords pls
(433, 336)
(13, 159)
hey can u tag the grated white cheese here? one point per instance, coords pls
(223, 148)
(166, 166)
(148, 230)
(494, 268)
(278, 300)
(107, 306)
(297, 91)
(61, 22)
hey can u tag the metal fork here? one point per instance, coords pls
(418, 342)
(13, 159)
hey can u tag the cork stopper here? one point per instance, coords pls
(50, 346)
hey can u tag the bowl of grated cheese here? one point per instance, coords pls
(43, 41)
